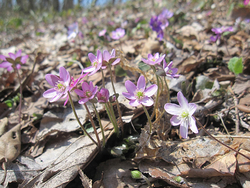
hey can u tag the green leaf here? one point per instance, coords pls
(119, 71)
(136, 174)
(143, 66)
(235, 65)
(9, 103)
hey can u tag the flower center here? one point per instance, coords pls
(139, 95)
(60, 86)
(184, 114)
(95, 64)
(88, 94)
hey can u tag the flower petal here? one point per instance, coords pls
(191, 108)
(116, 61)
(24, 59)
(184, 128)
(151, 90)
(175, 120)
(130, 86)
(86, 86)
(79, 92)
(84, 100)
(3, 57)
(52, 79)
(89, 69)
(141, 83)
(146, 101)
(172, 109)
(50, 93)
(134, 103)
(182, 100)
(92, 57)
(64, 75)
(99, 56)
(129, 96)
(57, 97)
(192, 124)
(106, 56)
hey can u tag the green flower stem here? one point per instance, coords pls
(103, 81)
(158, 93)
(166, 84)
(21, 96)
(111, 118)
(112, 113)
(100, 122)
(117, 103)
(93, 125)
(149, 119)
(84, 130)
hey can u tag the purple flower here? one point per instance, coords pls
(84, 20)
(246, 2)
(152, 60)
(96, 63)
(139, 94)
(109, 58)
(74, 82)
(117, 34)
(102, 33)
(163, 18)
(169, 71)
(87, 93)
(103, 95)
(160, 22)
(13, 59)
(61, 85)
(182, 114)
(72, 30)
(219, 31)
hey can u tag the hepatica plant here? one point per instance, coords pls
(182, 114)
(140, 95)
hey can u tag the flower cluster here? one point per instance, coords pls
(13, 60)
(160, 22)
(219, 31)
(101, 61)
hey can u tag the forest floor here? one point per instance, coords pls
(46, 148)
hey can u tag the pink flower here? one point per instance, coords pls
(72, 30)
(169, 71)
(109, 58)
(152, 60)
(13, 59)
(182, 114)
(61, 85)
(103, 95)
(96, 63)
(87, 93)
(74, 82)
(139, 94)
(117, 34)
(102, 33)
(219, 31)
(246, 2)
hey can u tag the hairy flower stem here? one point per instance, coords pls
(20, 97)
(84, 130)
(103, 81)
(112, 118)
(93, 125)
(149, 119)
(221, 142)
(117, 103)
(168, 96)
(100, 123)
(157, 95)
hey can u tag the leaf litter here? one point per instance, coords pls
(53, 151)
